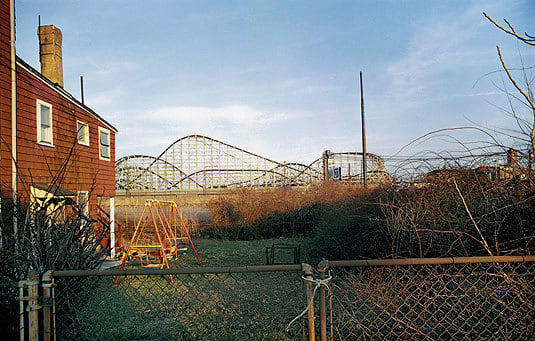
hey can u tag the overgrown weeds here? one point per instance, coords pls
(253, 214)
(40, 237)
(449, 213)
(461, 213)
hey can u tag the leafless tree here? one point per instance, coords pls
(525, 91)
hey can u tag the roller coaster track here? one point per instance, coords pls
(198, 162)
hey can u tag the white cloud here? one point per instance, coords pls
(485, 93)
(151, 131)
(236, 115)
(435, 49)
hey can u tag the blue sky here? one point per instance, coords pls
(280, 78)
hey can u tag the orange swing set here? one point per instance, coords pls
(165, 218)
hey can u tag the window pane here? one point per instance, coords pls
(81, 132)
(105, 152)
(45, 134)
(45, 124)
(104, 138)
(45, 116)
(104, 144)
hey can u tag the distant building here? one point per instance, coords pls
(512, 169)
(52, 146)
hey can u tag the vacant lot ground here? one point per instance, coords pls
(239, 253)
(223, 306)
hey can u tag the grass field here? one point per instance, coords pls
(224, 306)
(240, 253)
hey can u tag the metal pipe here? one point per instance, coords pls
(82, 88)
(47, 284)
(178, 271)
(429, 261)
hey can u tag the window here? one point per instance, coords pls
(83, 133)
(44, 124)
(104, 143)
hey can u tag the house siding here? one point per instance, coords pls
(84, 171)
(81, 166)
(5, 100)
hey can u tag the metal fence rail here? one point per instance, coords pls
(491, 298)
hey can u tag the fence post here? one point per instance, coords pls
(22, 287)
(33, 306)
(310, 302)
(323, 311)
(47, 283)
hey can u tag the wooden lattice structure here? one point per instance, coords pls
(201, 163)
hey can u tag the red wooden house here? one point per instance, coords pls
(51, 144)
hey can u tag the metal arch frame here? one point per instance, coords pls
(197, 162)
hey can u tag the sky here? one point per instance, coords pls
(281, 78)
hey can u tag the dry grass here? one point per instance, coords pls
(253, 214)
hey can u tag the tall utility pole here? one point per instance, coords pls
(364, 172)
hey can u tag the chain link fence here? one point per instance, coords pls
(221, 305)
(490, 301)
(491, 298)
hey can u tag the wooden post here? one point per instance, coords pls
(323, 310)
(284, 174)
(310, 302)
(112, 227)
(325, 159)
(33, 306)
(364, 170)
(22, 287)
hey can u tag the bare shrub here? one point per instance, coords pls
(253, 214)
(351, 228)
(460, 213)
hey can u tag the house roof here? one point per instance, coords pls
(63, 93)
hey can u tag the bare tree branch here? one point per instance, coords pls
(483, 241)
(528, 39)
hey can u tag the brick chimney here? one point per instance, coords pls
(50, 53)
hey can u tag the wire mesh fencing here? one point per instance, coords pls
(491, 298)
(491, 301)
(187, 306)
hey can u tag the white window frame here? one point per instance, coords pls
(106, 131)
(38, 106)
(85, 126)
